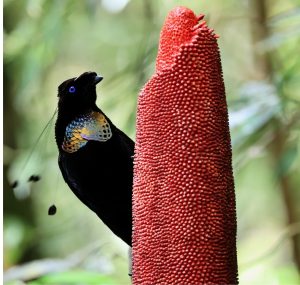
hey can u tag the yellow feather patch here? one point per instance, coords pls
(90, 127)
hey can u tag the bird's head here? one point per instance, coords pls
(78, 95)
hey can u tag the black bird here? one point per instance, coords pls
(95, 157)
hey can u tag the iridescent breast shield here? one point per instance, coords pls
(89, 127)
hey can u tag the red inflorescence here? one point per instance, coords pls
(183, 198)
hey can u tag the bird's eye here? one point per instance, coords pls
(72, 89)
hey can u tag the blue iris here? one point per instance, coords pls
(72, 89)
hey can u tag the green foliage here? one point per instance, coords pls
(73, 278)
(46, 42)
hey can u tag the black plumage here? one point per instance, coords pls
(95, 157)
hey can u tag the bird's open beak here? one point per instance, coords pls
(97, 79)
(92, 77)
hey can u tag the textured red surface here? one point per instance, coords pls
(172, 37)
(183, 200)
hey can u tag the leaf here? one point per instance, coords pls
(74, 277)
(258, 106)
(287, 160)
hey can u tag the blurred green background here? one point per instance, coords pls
(46, 42)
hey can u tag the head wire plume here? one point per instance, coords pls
(21, 185)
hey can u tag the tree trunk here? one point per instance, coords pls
(263, 63)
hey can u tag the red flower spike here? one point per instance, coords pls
(183, 198)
